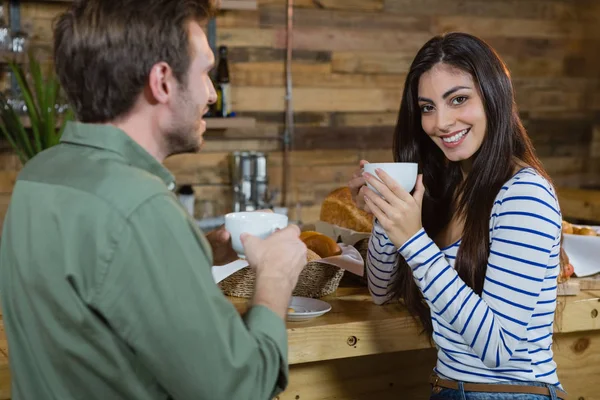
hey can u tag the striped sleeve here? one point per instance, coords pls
(381, 264)
(526, 227)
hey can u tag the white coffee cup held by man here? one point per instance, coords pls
(259, 224)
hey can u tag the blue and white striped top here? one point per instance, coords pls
(506, 333)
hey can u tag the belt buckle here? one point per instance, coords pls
(436, 389)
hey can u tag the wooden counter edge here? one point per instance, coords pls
(385, 335)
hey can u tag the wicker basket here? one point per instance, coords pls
(316, 280)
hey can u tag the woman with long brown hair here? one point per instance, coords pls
(473, 252)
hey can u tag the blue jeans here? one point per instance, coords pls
(460, 394)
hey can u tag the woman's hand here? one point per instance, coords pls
(357, 187)
(398, 212)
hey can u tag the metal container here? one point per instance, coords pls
(249, 180)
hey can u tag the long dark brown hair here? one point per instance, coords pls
(505, 142)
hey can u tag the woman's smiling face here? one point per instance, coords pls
(452, 112)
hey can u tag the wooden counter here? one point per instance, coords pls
(362, 351)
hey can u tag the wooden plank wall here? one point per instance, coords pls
(350, 61)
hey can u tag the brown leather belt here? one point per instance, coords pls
(438, 382)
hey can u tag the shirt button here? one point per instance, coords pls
(171, 185)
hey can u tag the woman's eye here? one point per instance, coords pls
(459, 100)
(426, 109)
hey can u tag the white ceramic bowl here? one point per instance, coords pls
(260, 224)
(403, 173)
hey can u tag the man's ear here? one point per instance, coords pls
(160, 83)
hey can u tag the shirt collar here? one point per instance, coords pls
(111, 138)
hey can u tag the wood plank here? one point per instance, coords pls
(302, 213)
(579, 313)
(262, 54)
(402, 375)
(304, 17)
(9, 161)
(252, 75)
(238, 4)
(353, 39)
(372, 62)
(245, 37)
(277, 119)
(364, 137)
(365, 119)
(264, 129)
(383, 377)
(359, 5)
(551, 100)
(250, 144)
(35, 10)
(578, 360)
(539, 9)
(278, 67)
(556, 149)
(557, 48)
(563, 165)
(580, 204)
(559, 131)
(196, 169)
(212, 200)
(315, 157)
(589, 283)
(335, 175)
(230, 123)
(7, 181)
(503, 27)
(377, 155)
(569, 288)
(238, 19)
(316, 99)
(595, 142)
(527, 66)
(4, 203)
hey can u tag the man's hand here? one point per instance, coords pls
(278, 261)
(220, 242)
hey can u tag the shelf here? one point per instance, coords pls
(211, 123)
(230, 123)
(225, 4)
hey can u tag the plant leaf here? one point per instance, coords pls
(32, 111)
(22, 157)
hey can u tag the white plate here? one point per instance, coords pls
(583, 252)
(306, 308)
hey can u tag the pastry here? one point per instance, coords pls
(339, 209)
(322, 245)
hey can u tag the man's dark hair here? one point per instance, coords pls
(104, 50)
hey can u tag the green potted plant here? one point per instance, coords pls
(42, 125)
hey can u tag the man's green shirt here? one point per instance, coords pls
(106, 286)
